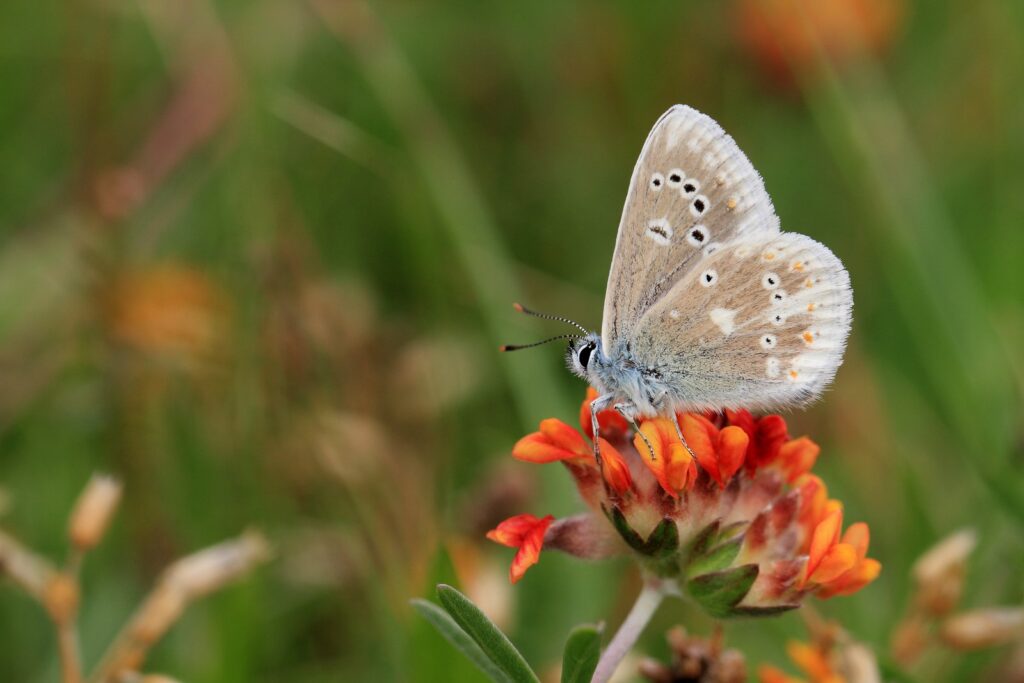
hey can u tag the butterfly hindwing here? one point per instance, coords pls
(692, 191)
(761, 323)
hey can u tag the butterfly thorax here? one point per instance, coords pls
(638, 390)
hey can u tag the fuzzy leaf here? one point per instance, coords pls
(582, 650)
(488, 637)
(454, 634)
(719, 592)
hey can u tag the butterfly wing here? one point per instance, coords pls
(692, 190)
(759, 324)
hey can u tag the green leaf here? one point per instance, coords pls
(719, 592)
(454, 634)
(582, 650)
(494, 644)
(715, 559)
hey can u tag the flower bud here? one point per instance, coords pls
(983, 628)
(939, 573)
(93, 510)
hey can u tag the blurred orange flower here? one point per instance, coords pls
(736, 518)
(786, 37)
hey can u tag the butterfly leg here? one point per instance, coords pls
(679, 433)
(596, 406)
(625, 410)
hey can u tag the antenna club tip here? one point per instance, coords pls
(503, 348)
(518, 306)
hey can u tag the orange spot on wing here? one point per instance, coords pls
(793, 374)
(808, 337)
(811, 307)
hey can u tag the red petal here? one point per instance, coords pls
(565, 437)
(538, 448)
(700, 436)
(823, 538)
(525, 532)
(611, 424)
(797, 457)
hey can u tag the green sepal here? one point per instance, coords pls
(719, 592)
(661, 542)
(488, 637)
(581, 653)
(714, 559)
(767, 611)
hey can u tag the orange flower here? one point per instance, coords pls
(734, 514)
(526, 533)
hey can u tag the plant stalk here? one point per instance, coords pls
(625, 638)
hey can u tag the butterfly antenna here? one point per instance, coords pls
(548, 316)
(517, 347)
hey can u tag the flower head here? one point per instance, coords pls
(733, 514)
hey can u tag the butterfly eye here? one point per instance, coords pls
(584, 355)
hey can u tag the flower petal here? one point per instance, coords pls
(670, 463)
(701, 436)
(852, 581)
(797, 457)
(858, 536)
(615, 470)
(823, 538)
(732, 449)
(538, 448)
(839, 559)
(525, 532)
(565, 437)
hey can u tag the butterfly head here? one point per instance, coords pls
(584, 355)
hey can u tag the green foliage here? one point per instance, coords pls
(582, 650)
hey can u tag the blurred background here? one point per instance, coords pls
(256, 259)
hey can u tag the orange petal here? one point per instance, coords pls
(852, 581)
(858, 536)
(700, 436)
(810, 659)
(823, 538)
(538, 448)
(564, 436)
(616, 471)
(671, 463)
(798, 457)
(525, 532)
(839, 559)
(732, 449)
(769, 674)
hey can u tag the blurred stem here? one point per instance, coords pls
(70, 659)
(647, 603)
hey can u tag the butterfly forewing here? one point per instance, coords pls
(692, 191)
(761, 323)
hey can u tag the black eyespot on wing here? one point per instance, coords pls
(689, 187)
(699, 205)
(675, 177)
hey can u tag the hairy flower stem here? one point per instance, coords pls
(646, 605)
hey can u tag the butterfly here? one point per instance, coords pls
(709, 306)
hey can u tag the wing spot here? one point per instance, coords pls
(697, 236)
(771, 367)
(711, 248)
(724, 319)
(660, 231)
(811, 306)
(808, 337)
(675, 177)
(778, 320)
(657, 180)
(768, 255)
(794, 375)
(778, 296)
(809, 282)
(709, 278)
(770, 280)
(769, 341)
(674, 314)
(690, 186)
(796, 266)
(731, 202)
(699, 206)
